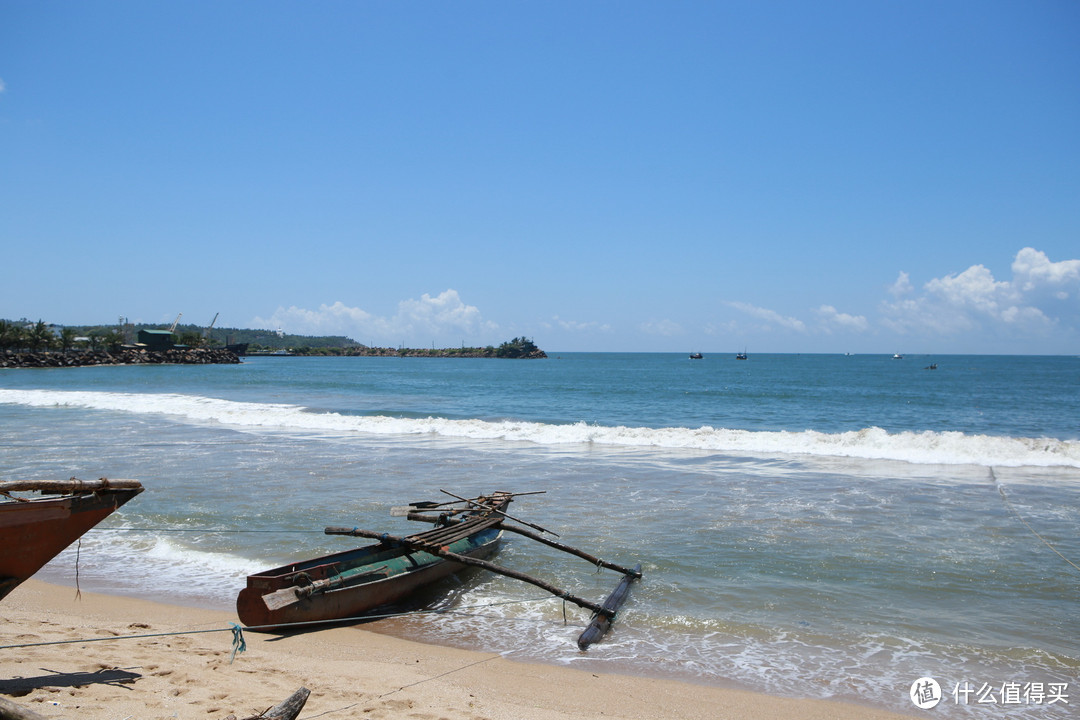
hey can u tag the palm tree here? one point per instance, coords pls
(67, 338)
(113, 339)
(41, 337)
(10, 335)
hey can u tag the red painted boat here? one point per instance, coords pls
(35, 530)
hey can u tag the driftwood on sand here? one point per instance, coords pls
(12, 711)
(287, 709)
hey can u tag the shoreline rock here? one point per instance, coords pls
(124, 356)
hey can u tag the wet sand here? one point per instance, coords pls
(351, 672)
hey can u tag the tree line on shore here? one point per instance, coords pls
(518, 348)
(26, 336)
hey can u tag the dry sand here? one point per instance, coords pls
(352, 673)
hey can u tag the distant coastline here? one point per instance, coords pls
(363, 351)
(39, 344)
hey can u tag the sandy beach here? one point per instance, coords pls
(351, 673)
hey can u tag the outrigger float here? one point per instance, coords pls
(349, 584)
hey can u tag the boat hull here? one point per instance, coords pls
(35, 531)
(370, 577)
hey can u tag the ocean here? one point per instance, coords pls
(822, 526)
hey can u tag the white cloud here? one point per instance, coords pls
(577, 325)
(1030, 303)
(664, 328)
(417, 321)
(974, 289)
(1032, 270)
(1025, 316)
(769, 317)
(833, 319)
(436, 314)
(902, 286)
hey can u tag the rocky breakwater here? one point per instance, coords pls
(123, 356)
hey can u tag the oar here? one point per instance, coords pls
(508, 516)
(474, 562)
(403, 510)
(295, 593)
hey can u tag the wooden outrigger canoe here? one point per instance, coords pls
(351, 583)
(35, 530)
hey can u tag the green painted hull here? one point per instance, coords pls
(359, 580)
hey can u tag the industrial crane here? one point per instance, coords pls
(206, 333)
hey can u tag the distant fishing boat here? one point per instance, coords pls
(741, 356)
(696, 356)
(897, 356)
(35, 530)
(349, 584)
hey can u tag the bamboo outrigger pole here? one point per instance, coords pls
(636, 573)
(475, 562)
(403, 510)
(487, 506)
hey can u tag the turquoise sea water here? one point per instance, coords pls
(809, 525)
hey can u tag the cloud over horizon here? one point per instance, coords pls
(769, 319)
(971, 310)
(416, 322)
(1041, 296)
(972, 307)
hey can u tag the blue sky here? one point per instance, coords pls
(665, 176)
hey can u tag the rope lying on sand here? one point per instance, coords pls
(239, 644)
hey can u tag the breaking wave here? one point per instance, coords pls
(872, 443)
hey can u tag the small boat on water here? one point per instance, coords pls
(741, 356)
(350, 584)
(35, 530)
(696, 356)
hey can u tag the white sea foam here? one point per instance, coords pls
(171, 569)
(860, 667)
(938, 448)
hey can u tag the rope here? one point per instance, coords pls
(240, 644)
(1012, 509)
(407, 613)
(78, 554)
(441, 675)
(207, 530)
